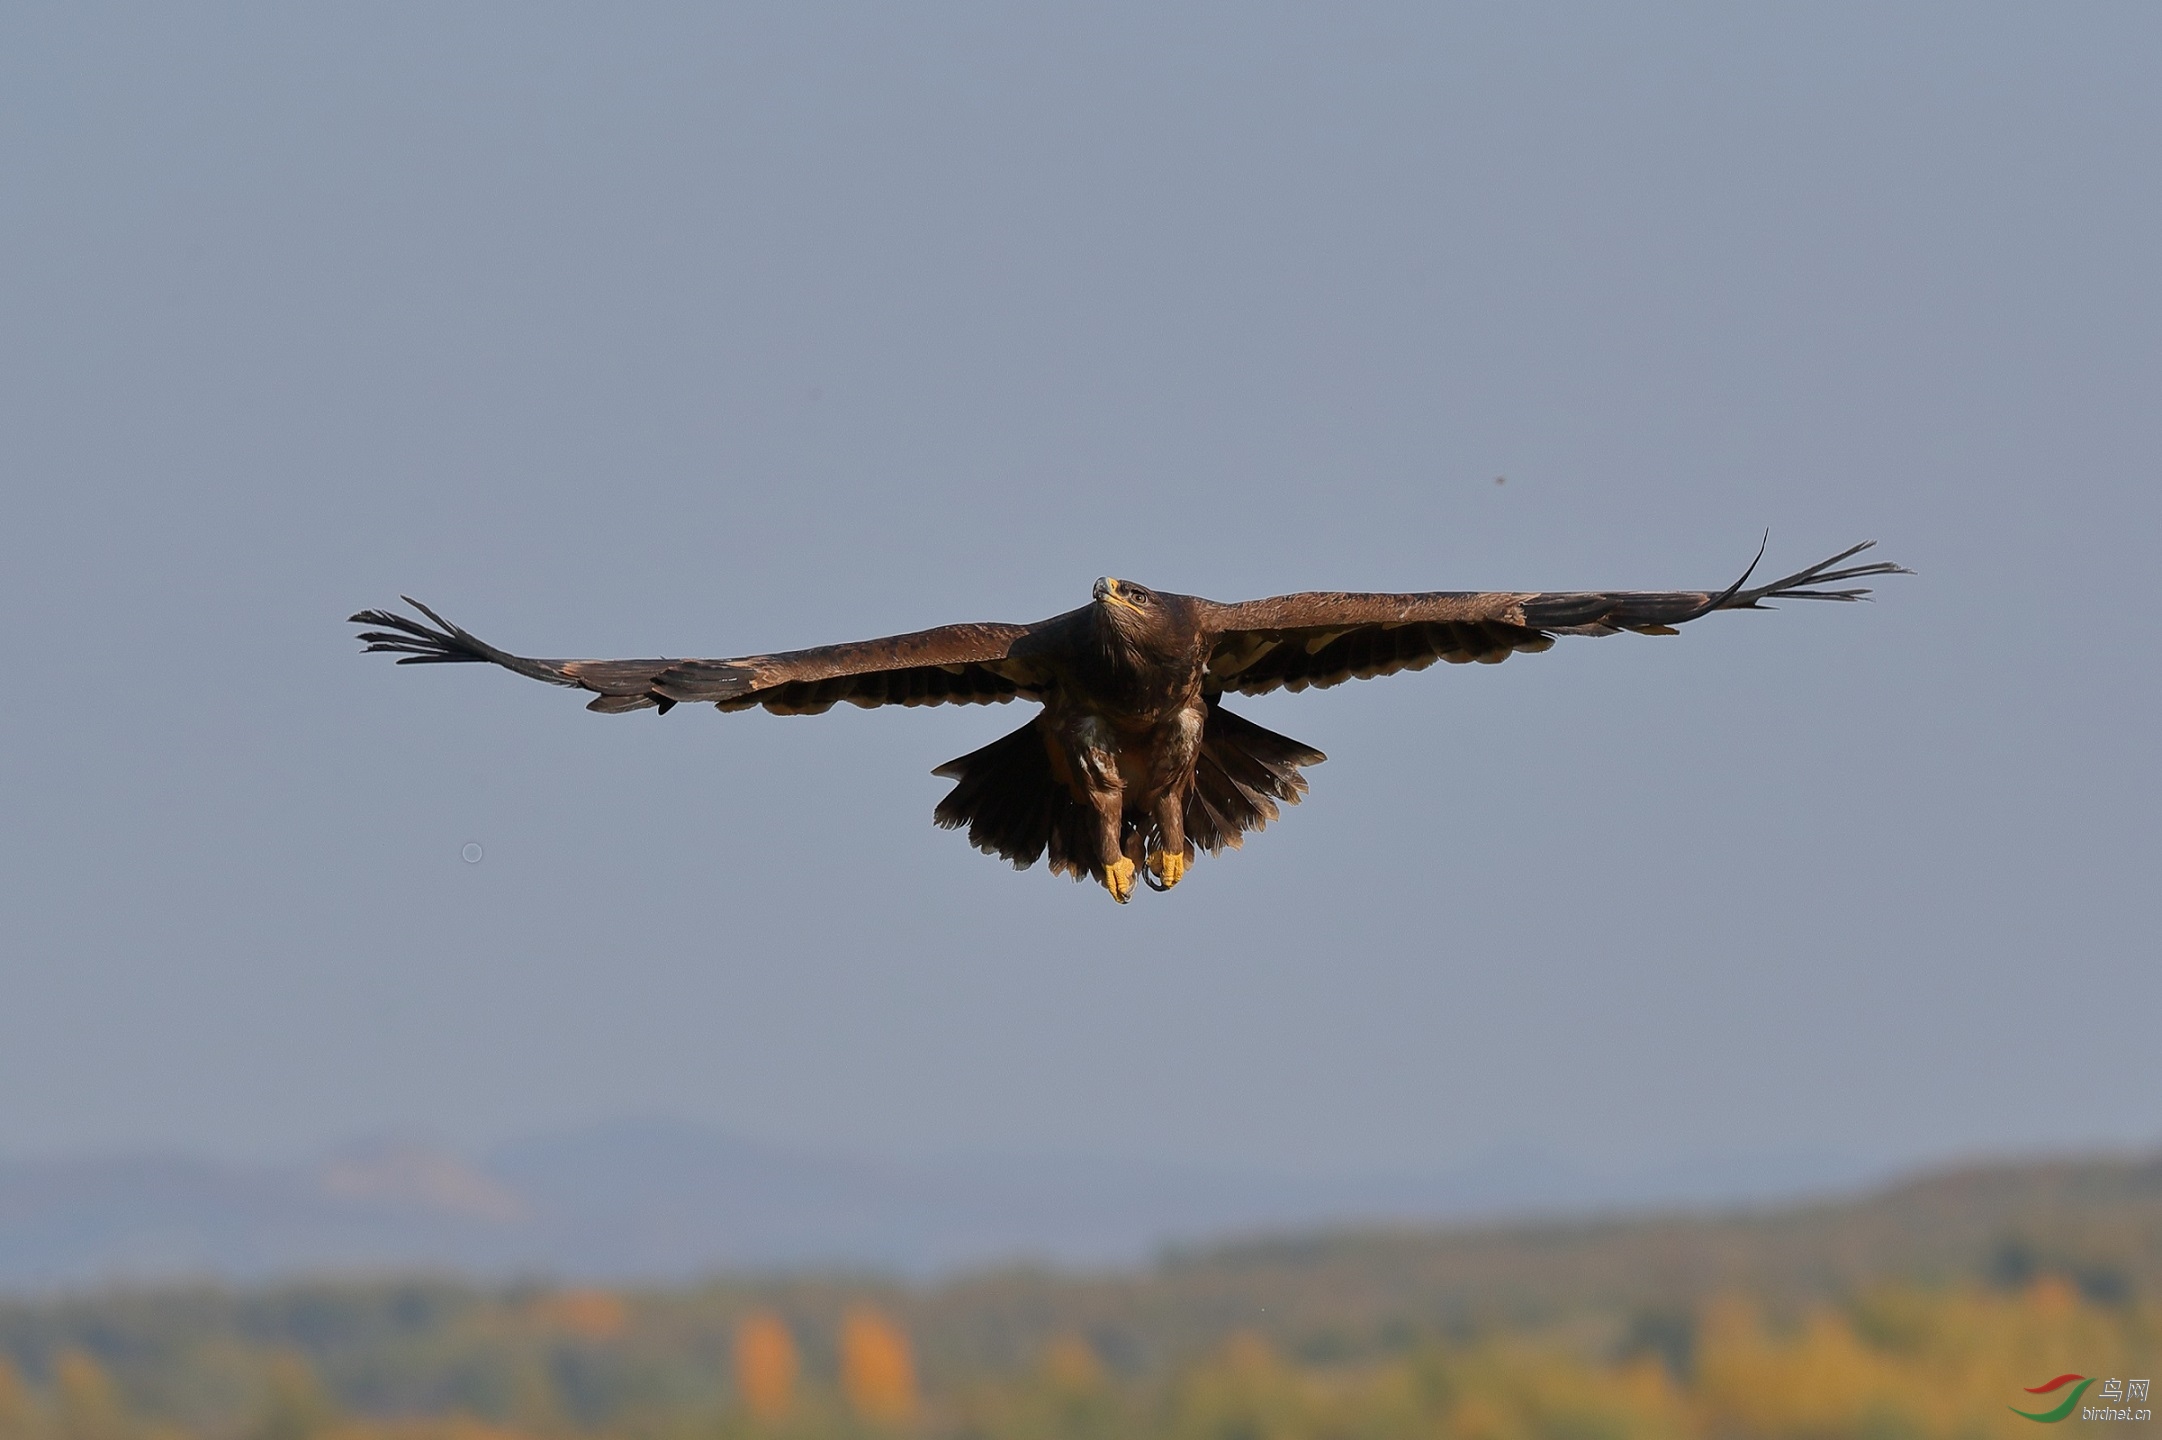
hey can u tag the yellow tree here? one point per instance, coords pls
(1071, 1366)
(1244, 1389)
(18, 1416)
(294, 1406)
(766, 1365)
(877, 1372)
(1075, 1392)
(85, 1404)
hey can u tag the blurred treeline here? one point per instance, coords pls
(1921, 1312)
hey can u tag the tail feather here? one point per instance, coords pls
(1243, 770)
(1012, 804)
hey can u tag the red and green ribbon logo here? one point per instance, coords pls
(2062, 1412)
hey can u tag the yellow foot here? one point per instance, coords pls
(1119, 879)
(1168, 868)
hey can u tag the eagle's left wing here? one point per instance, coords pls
(1324, 638)
(949, 665)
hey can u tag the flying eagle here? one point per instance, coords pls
(1133, 762)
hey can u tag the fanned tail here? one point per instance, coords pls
(1243, 771)
(1014, 806)
(1008, 798)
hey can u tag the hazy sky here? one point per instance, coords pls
(635, 330)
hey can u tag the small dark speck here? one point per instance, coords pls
(1501, 479)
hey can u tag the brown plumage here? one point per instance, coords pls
(1133, 764)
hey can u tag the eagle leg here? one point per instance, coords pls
(1091, 754)
(1168, 866)
(1168, 849)
(1118, 878)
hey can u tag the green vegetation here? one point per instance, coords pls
(1922, 1312)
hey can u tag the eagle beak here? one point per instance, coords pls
(1107, 590)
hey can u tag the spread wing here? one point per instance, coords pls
(1324, 638)
(953, 664)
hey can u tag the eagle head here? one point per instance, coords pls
(1143, 619)
(1117, 595)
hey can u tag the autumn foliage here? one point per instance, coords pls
(766, 1365)
(877, 1372)
(585, 1314)
(1903, 1362)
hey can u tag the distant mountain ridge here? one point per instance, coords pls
(2094, 1222)
(665, 1201)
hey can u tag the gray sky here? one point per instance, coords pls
(655, 329)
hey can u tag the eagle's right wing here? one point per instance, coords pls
(1318, 639)
(953, 664)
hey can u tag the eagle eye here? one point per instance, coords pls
(1138, 595)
